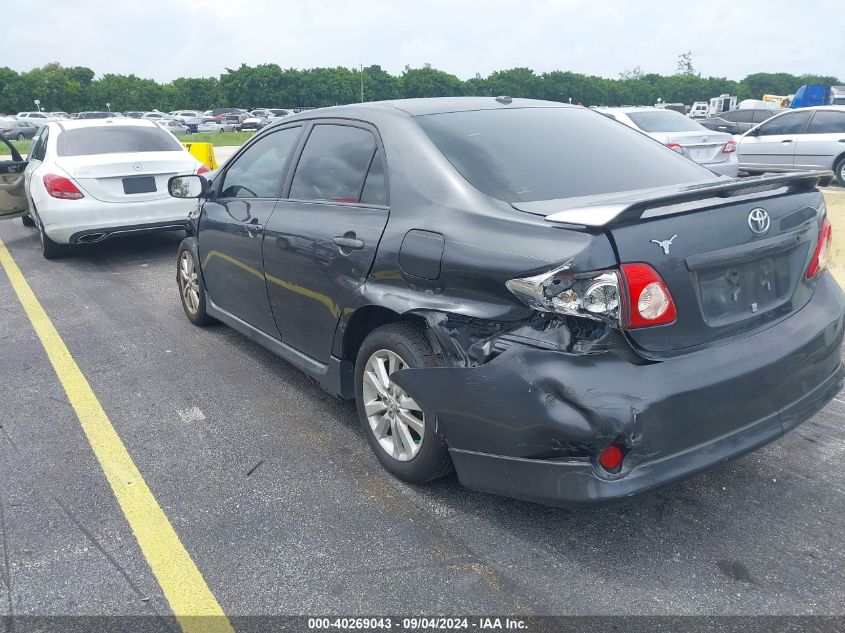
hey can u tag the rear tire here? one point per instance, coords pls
(191, 286)
(27, 221)
(422, 456)
(20, 136)
(49, 248)
(839, 170)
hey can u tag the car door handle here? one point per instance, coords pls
(253, 229)
(788, 140)
(351, 243)
(842, 140)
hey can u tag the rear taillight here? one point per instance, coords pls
(203, 169)
(637, 297)
(822, 252)
(60, 187)
(729, 148)
(675, 147)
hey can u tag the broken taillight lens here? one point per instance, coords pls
(633, 298)
(593, 295)
(822, 252)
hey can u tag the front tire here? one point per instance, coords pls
(27, 220)
(189, 280)
(406, 440)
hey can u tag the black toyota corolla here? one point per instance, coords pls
(553, 304)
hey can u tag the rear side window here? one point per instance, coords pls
(528, 154)
(762, 115)
(258, 171)
(115, 139)
(827, 122)
(375, 186)
(739, 116)
(39, 147)
(333, 164)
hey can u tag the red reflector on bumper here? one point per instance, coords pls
(611, 457)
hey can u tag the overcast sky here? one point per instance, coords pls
(165, 39)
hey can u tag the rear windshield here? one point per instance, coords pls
(528, 154)
(115, 139)
(665, 121)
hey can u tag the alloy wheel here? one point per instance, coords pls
(189, 282)
(396, 420)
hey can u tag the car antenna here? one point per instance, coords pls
(504, 99)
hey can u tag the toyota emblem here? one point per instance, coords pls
(137, 166)
(759, 221)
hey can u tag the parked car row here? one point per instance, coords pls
(230, 118)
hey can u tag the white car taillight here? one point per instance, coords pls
(729, 148)
(61, 187)
(632, 298)
(675, 147)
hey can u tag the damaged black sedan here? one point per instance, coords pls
(555, 305)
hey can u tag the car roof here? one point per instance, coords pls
(833, 108)
(74, 124)
(629, 109)
(425, 106)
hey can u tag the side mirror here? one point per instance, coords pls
(191, 186)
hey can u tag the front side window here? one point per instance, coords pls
(790, 123)
(333, 164)
(827, 122)
(259, 170)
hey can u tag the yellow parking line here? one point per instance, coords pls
(192, 602)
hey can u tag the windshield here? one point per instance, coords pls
(528, 154)
(664, 121)
(115, 140)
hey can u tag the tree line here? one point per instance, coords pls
(77, 88)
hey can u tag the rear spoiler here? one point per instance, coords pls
(627, 208)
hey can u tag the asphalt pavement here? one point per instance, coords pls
(274, 492)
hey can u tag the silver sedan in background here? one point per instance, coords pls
(797, 140)
(172, 125)
(714, 150)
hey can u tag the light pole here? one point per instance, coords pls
(362, 82)
(37, 103)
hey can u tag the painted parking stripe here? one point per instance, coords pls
(181, 582)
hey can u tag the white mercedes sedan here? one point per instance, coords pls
(89, 180)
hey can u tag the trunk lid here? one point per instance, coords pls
(725, 273)
(127, 177)
(702, 147)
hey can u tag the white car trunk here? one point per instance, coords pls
(131, 177)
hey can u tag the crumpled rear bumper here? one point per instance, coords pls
(527, 423)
